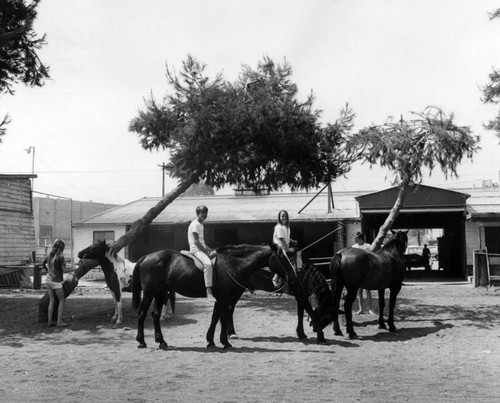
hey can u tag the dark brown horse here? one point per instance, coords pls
(316, 300)
(355, 268)
(169, 270)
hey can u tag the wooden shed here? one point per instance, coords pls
(17, 225)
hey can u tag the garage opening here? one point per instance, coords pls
(433, 216)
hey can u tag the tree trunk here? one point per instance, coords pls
(139, 225)
(391, 218)
(68, 286)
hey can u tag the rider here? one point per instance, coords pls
(281, 237)
(200, 250)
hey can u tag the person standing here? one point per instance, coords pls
(359, 242)
(199, 248)
(55, 266)
(426, 255)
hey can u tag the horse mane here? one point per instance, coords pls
(239, 250)
(394, 242)
(315, 283)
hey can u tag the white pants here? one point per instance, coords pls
(207, 266)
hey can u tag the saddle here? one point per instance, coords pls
(197, 262)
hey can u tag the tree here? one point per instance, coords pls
(491, 91)
(252, 133)
(19, 61)
(406, 148)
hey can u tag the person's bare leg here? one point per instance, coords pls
(360, 302)
(60, 311)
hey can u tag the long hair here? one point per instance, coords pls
(287, 216)
(57, 248)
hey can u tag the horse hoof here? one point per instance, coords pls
(338, 333)
(210, 345)
(384, 327)
(227, 346)
(392, 328)
(163, 346)
(142, 345)
(322, 342)
(353, 336)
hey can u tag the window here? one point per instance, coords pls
(108, 236)
(45, 235)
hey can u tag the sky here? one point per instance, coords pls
(383, 57)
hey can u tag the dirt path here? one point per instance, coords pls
(447, 348)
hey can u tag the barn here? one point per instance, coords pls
(321, 222)
(17, 227)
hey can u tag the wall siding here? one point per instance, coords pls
(17, 229)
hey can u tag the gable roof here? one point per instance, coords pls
(417, 197)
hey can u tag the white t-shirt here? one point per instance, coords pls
(281, 231)
(365, 246)
(195, 227)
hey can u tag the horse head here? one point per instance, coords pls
(399, 239)
(279, 263)
(95, 251)
(319, 296)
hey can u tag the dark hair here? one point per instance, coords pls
(201, 209)
(359, 234)
(279, 218)
(57, 247)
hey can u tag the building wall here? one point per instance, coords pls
(54, 218)
(17, 229)
(84, 236)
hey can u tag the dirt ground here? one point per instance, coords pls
(447, 348)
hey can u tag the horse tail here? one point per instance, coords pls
(171, 298)
(136, 285)
(335, 266)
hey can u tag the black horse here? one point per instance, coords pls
(169, 270)
(316, 300)
(355, 268)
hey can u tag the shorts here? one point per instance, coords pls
(54, 284)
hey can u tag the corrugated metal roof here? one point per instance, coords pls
(230, 208)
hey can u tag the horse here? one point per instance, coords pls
(355, 268)
(320, 298)
(169, 270)
(117, 273)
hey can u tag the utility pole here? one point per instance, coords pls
(163, 169)
(29, 150)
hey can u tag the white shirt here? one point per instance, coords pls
(281, 231)
(195, 227)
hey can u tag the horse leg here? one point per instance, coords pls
(349, 301)
(213, 324)
(143, 311)
(337, 295)
(381, 306)
(156, 313)
(118, 316)
(231, 332)
(300, 322)
(392, 304)
(223, 312)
